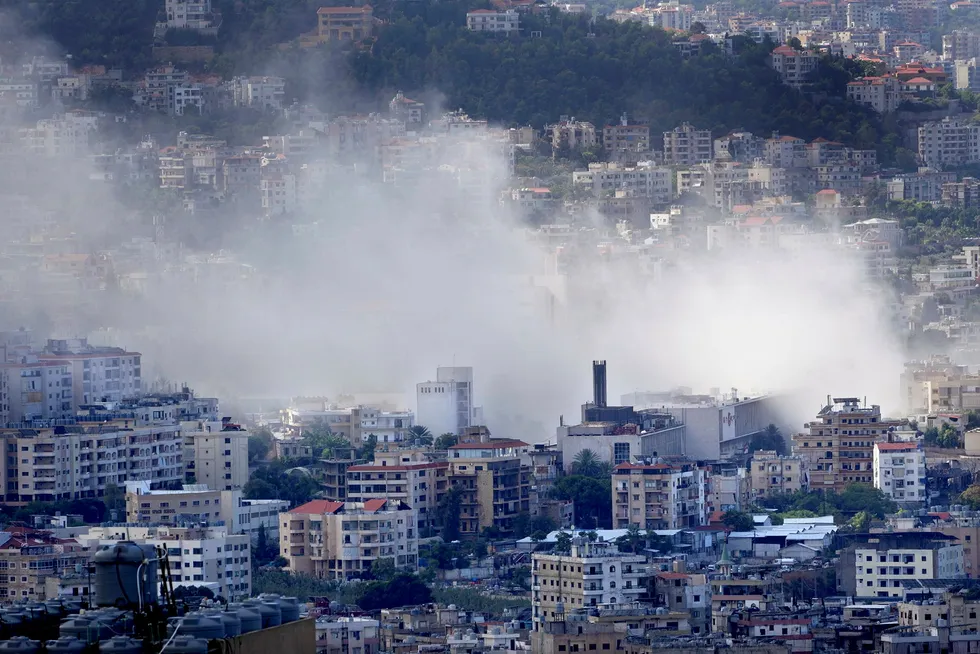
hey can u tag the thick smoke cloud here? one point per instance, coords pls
(377, 284)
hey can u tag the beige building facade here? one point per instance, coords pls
(772, 473)
(215, 453)
(659, 496)
(494, 483)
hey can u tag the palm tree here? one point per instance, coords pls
(587, 463)
(421, 434)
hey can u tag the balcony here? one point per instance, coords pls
(593, 590)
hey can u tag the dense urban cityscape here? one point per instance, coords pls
(493, 326)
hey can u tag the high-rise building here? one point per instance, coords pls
(592, 574)
(98, 374)
(949, 142)
(494, 483)
(29, 556)
(446, 404)
(215, 453)
(838, 446)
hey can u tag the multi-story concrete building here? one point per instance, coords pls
(98, 374)
(488, 20)
(199, 504)
(403, 476)
(189, 15)
(672, 15)
(900, 472)
(626, 137)
(659, 495)
(342, 540)
(604, 179)
(80, 460)
(961, 44)
(949, 142)
(571, 133)
(36, 390)
(345, 23)
(686, 146)
(878, 564)
(347, 635)
(215, 453)
(739, 146)
(794, 66)
(938, 368)
(494, 483)
(446, 404)
(838, 446)
(199, 556)
(681, 591)
(591, 575)
(260, 92)
(28, 557)
(883, 94)
(772, 473)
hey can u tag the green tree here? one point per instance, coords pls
(402, 590)
(421, 435)
(769, 439)
(970, 496)
(563, 543)
(589, 464)
(115, 499)
(366, 452)
(633, 540)
(448, 513)
(259, 445)
(591, 497)
(383, 569)
(738, 521)
(445, 441)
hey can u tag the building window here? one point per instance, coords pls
(621, 453)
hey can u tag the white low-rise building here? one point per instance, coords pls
(488, 20)
(198, 556)
(900, 471)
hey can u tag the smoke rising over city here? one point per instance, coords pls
(369, 286)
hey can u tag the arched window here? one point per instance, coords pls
(612, 568)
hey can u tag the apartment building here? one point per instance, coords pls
(196, 503)
(79, 460)
(949, 142)
(686, 145)
(36, 390)
(347, 635)
(900, 472)
(883, 94)
(794, 66)
(659, 495)
(966, 531)
(626, 137)
(345, 23)
(592, 574)
(571, 133)
(28, 557)
(785, 152)
(772, 473)
(215, 453)
(199, 556)
(498, 22)
(402, 476)
(951, 609)
(447, 404)
(605, 179)
(494, 482)
(341, 540)
(915, 393)
(261, 92)
(877, 566)
(189, 14)
(838, 447)
(683, 592)
(99, 374)
(728, 489)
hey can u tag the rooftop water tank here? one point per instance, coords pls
(65, 646)
(121, 645)
(251, 619)
(289, 607)
(86, 628)
(187, 645)
(198, 625)
(269, 612)
(229, 620)
(123, 572)
(21, 645)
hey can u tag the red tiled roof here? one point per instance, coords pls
(785, 50)
(827, 191)
(375, 505)
(344, 10)
(318, 507)
(919, 80)
(673, 575)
